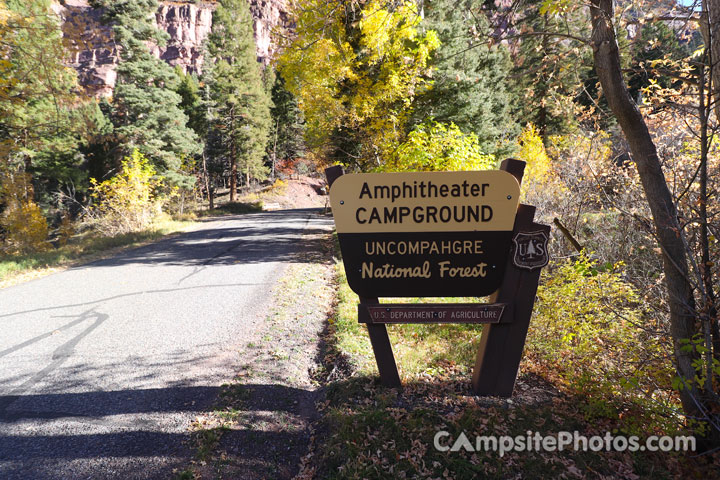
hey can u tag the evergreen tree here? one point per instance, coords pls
(549, 66)
(37, 92)
(241, 115)
(469, 78)
(42, 119)
(288, 127)
(192, 101)
(146, 110)
(656, 42)
(97, 151)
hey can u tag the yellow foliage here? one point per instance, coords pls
(66, 230)
(4, 13)
(25, 227)
(127, 202)
(279, 186)
(588, 328)
(541, 181)
(532, 151)
(435, 146)
(5, 50)
(368, 91)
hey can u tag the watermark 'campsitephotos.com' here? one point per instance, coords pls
(535, 441)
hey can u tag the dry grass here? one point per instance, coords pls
(82, 248)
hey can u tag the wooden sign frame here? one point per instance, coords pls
(506, 318)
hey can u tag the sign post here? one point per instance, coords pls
(431, 234)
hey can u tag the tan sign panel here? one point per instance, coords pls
(425, 202)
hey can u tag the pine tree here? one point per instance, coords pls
(37, 95)
(192, 101)
(288, 127)
(548, 73)
(42, 119)
(469, 78)
(146, 112)
(241, 114)
(657, 41)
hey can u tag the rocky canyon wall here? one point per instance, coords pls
(95, 54)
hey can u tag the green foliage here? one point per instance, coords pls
(548, 70)
(654, 50)
(288, 125)
(469, 77)
(240, 118)
(435, 147)
(23, 228)
(356, 69)
(234, 208)
(705, 364)
(146, 110)
(369, 431)
(127, 202)
(40, 114)
(192, 101)
(590, 331)
(97, 149)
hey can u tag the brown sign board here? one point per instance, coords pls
(467, 313)
(425, 234)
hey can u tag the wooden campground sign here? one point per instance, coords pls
(425, 234)
(439, 234)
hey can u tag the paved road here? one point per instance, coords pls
(104, 366)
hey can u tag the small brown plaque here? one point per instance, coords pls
(431, 313)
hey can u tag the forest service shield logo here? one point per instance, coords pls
(531, 250)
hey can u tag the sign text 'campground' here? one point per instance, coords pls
(425, 234)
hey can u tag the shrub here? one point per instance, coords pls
(279, 186)
(589, 330)
(541, 185)
(127, 202)
(66, 230)
(25, 227)
(438, 147)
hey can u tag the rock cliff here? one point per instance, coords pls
(94, 53)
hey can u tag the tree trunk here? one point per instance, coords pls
(664, 213)
(233, 158)
(711, 36)
(274, 155)
(210, 193)
(543, 94)
(233, 173)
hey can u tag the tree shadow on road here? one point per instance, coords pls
(258, 240)
(118, 430)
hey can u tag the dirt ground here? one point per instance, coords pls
(295, 192)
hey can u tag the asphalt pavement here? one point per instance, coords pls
(103, 367)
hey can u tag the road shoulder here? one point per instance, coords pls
(260, 427)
